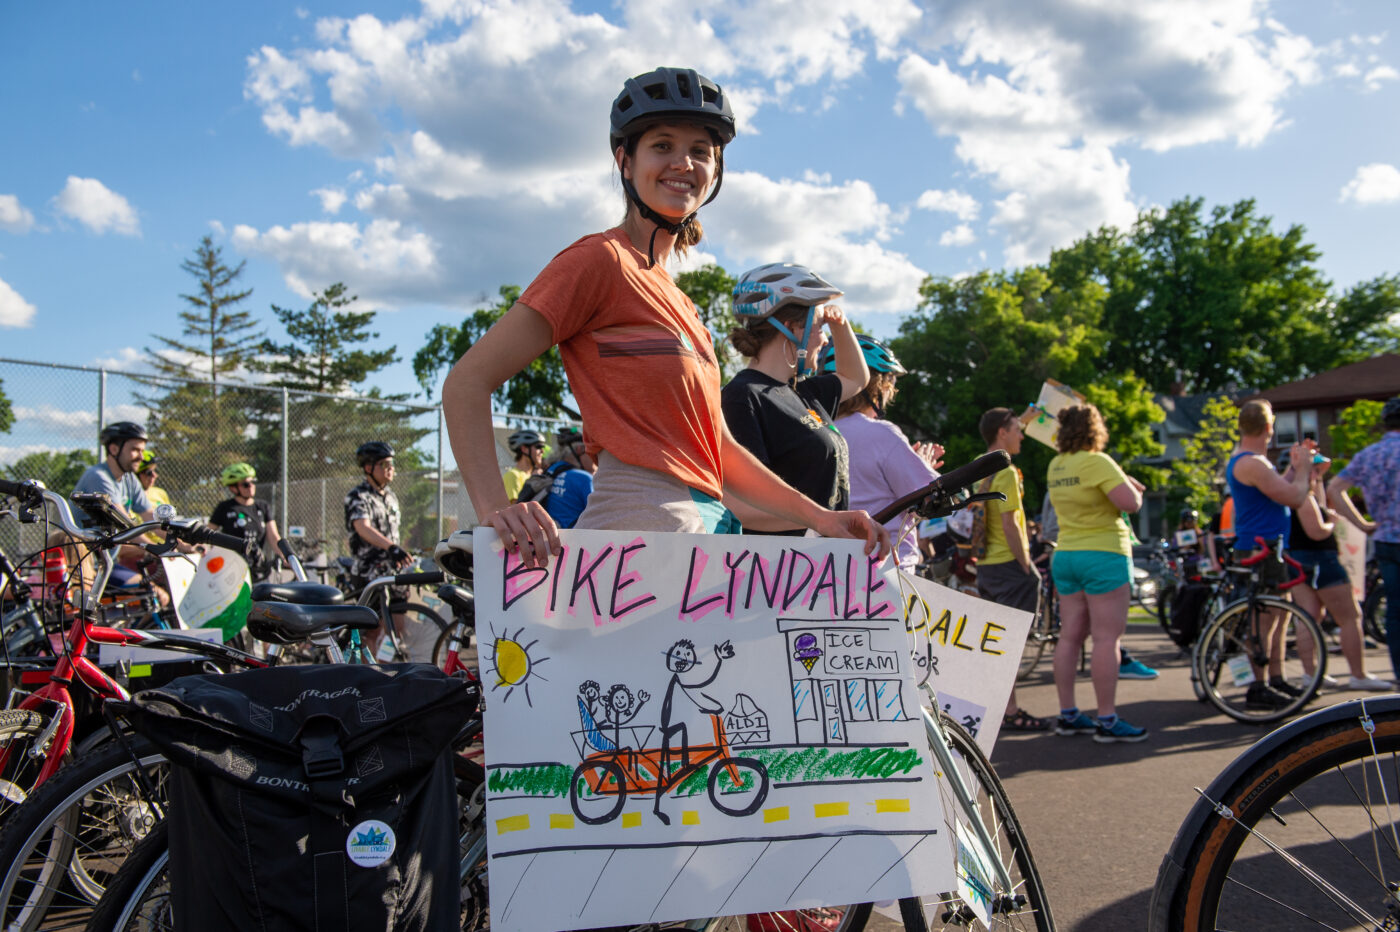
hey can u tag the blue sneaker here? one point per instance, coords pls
(1136, 670)
(1121, 731)
(1081, 724)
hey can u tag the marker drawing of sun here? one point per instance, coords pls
(512, 664)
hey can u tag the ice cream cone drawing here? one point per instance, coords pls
(807, 651)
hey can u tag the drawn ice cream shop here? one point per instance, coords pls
(846, 680)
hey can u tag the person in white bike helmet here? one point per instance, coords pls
(640, 361)
(527, 446)
(784, 419)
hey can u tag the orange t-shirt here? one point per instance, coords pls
(640, 362)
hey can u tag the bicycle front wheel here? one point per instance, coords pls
(20, 731)
(1235, 647)
(1299, 832)
(1024, 904)
(60, 849)
(138, 898)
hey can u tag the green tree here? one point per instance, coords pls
(196, 424)
(1200, 473)
(1222, 300)
(711, 289)
(7, 414)
(1358, 426)
(540, 389)
(1129, 413)
(58, 471)
(324, 353)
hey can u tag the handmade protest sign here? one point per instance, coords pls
(970, 650)
(693, 725)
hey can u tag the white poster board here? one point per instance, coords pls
(969, 650)
(1040, 421)
(219, 594)
(769, 679)
(1351, 550)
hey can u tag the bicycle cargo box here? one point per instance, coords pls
(312, 797)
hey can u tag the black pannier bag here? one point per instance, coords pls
(312, 797)
(1188, 609)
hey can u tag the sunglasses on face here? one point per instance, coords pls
(248, 483)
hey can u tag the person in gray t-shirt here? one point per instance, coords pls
(123, 443)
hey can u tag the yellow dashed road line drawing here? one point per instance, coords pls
(513, 823)
(631, 819)
(561, 820)
(776, 814)
(828, 810)
(891, 805)
(690, 817)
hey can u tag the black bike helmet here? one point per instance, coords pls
(1190, 513)
(567, 436)
(523, 438)
(372, 452)
(121, 432)
(669, 94)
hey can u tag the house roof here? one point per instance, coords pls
(1183, 412)
(1377, 378)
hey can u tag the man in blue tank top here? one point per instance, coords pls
(1262, 502)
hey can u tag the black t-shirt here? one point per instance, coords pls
(791, 432)
(246, 521)
(1298, 538)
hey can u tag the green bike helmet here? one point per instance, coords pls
(148, 459)
(236, 473)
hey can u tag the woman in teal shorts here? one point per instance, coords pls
(1092, 568)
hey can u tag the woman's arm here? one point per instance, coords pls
(1313, 520)
(752, 482)
(1127, 495)
(850, 361)
(516, 340)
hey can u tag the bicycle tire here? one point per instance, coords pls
(1307, 789)
(18, 730)
(1036, 642)
(138, 898)
(421, 613)
(1226, 645)
(61, 847)
(1373, 614)
(1026, 905)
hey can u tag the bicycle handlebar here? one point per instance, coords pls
(937, 495)
(1267, 550)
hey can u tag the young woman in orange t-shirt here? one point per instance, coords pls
(639, 361)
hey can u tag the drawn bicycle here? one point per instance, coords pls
(602, 784)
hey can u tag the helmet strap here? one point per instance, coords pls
(675, 228)
(778, 325)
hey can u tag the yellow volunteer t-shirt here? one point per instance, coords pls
(1008, 482)
(515, 481)
(1079, 484)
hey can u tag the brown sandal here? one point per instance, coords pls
(1021, 720)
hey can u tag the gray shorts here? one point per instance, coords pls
(1008, 584)
(633, 498)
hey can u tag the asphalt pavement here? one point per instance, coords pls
(1100, 817)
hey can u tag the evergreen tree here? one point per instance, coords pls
(324, 353)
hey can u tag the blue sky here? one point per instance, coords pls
(427, 154)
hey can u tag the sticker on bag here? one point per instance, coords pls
(370, 843)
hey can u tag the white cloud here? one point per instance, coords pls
(96, 207)
(381, 259)
(125, 359)
(964, 205)
(14, 310)
(760, 220)
(332, 199)
(1376, 76)
(11, 455)
(14, 216)
(78, 425)
(961, 235)
(1377, 183)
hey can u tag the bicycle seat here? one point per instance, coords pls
(460, 598)
(298, 593)
(288, 622)
(454, 554)
(344, 563)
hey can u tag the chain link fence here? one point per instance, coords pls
(302, 445)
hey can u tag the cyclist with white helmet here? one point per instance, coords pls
(884, 465)
(783, 418)
(527, 446)
(640, 361)
(243, 515)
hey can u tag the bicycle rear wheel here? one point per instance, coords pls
(1299, 832)
(1231, 646)
(1022, 906)
(421, 624)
